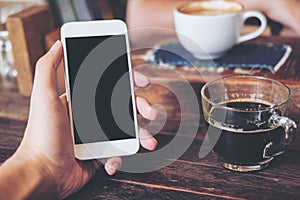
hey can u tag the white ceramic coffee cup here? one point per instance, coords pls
(209, 36)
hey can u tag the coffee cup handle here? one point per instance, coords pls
(290, 133)
(259, 31)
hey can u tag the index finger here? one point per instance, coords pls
(140, 80)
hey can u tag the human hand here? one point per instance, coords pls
(48, 142)
(285, 12)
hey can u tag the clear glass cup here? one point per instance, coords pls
(246, 118)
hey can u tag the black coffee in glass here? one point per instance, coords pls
(244, 134)
(246, 120)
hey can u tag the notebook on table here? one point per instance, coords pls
(244, 56)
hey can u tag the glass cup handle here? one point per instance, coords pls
(290, 133)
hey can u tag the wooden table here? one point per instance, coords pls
(189, 177)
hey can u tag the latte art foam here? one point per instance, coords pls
(210, 8)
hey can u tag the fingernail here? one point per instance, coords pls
(110, 170)
(142, 79)
(55, 46)
(153, 145)
(116, 165)
(153, 114)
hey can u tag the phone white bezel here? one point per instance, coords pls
(108, 148)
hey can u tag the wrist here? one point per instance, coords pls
(24, 178)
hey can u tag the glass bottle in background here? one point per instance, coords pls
(7, 70)
(9, 7)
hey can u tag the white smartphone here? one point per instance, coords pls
(100, 89)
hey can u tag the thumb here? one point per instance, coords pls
(45, 71)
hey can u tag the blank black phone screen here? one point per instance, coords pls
(100, 88)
